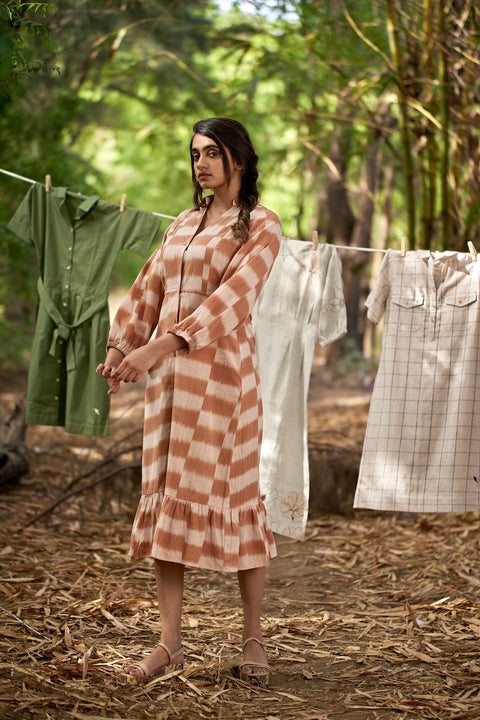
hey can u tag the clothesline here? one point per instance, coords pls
(172, 217)
(351, 247)
(32, 182)
(355, 247)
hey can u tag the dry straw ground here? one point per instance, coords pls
(373, 616)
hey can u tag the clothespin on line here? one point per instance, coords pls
(123, 202)
(403, 247)
(472, 249)
(48, 183)
(314, 239)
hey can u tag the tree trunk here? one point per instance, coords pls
(346, 229)
(14, 459)
(340, 229)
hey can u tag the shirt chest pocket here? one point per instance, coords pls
(408, 310)
(460, 307)
(461, 300)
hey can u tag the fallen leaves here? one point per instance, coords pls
(372, 617)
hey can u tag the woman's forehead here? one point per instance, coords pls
(202, 142)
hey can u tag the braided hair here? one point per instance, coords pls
(231, 134)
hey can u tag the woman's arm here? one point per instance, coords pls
(143, 359)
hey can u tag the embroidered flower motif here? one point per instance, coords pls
(296, 533)
(293, 506)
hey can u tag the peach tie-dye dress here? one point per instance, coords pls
(200, 503)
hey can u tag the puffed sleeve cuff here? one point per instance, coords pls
(119, 345)
(185, 336)
(192, 340)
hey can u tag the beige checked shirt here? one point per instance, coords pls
(422, 443)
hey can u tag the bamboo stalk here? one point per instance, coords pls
(431, 151)
(464, 149)
(396, 53)
(445, 120)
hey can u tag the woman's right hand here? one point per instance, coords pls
(108, 368)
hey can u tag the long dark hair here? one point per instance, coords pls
(231, 134)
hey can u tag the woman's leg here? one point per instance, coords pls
(252, 584)
(169, 577)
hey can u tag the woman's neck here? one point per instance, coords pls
(227, 193)
(222, 201)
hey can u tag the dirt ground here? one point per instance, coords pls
(372, 616)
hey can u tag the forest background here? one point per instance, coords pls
(365, 115)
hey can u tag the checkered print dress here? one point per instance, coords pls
(422, 444)
(200, 503)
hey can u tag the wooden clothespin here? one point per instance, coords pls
(403, 247)
(123, 202)
(473, 251)
(315, 239)
(48, 183)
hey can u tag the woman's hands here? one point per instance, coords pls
(118, 368)
(136, 363)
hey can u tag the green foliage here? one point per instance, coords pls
(22, 37)
(351, 359)
(22, 40)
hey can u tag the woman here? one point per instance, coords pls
(200, 503)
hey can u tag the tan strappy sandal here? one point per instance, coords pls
(142, 666)
(262, 676)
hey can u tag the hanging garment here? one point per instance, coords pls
(200, 503)
(422, 443)
(77, 240)
(301, 304)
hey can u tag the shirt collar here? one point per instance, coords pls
(85, 206)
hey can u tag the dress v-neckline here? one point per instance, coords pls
(202, 226)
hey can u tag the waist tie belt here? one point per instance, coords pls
(63, 330)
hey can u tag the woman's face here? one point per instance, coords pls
(208, 163)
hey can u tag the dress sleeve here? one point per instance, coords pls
(232, 302)
(332, 323)
(22, 222)
(138, 230)
(377, 299)
(137, 316)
